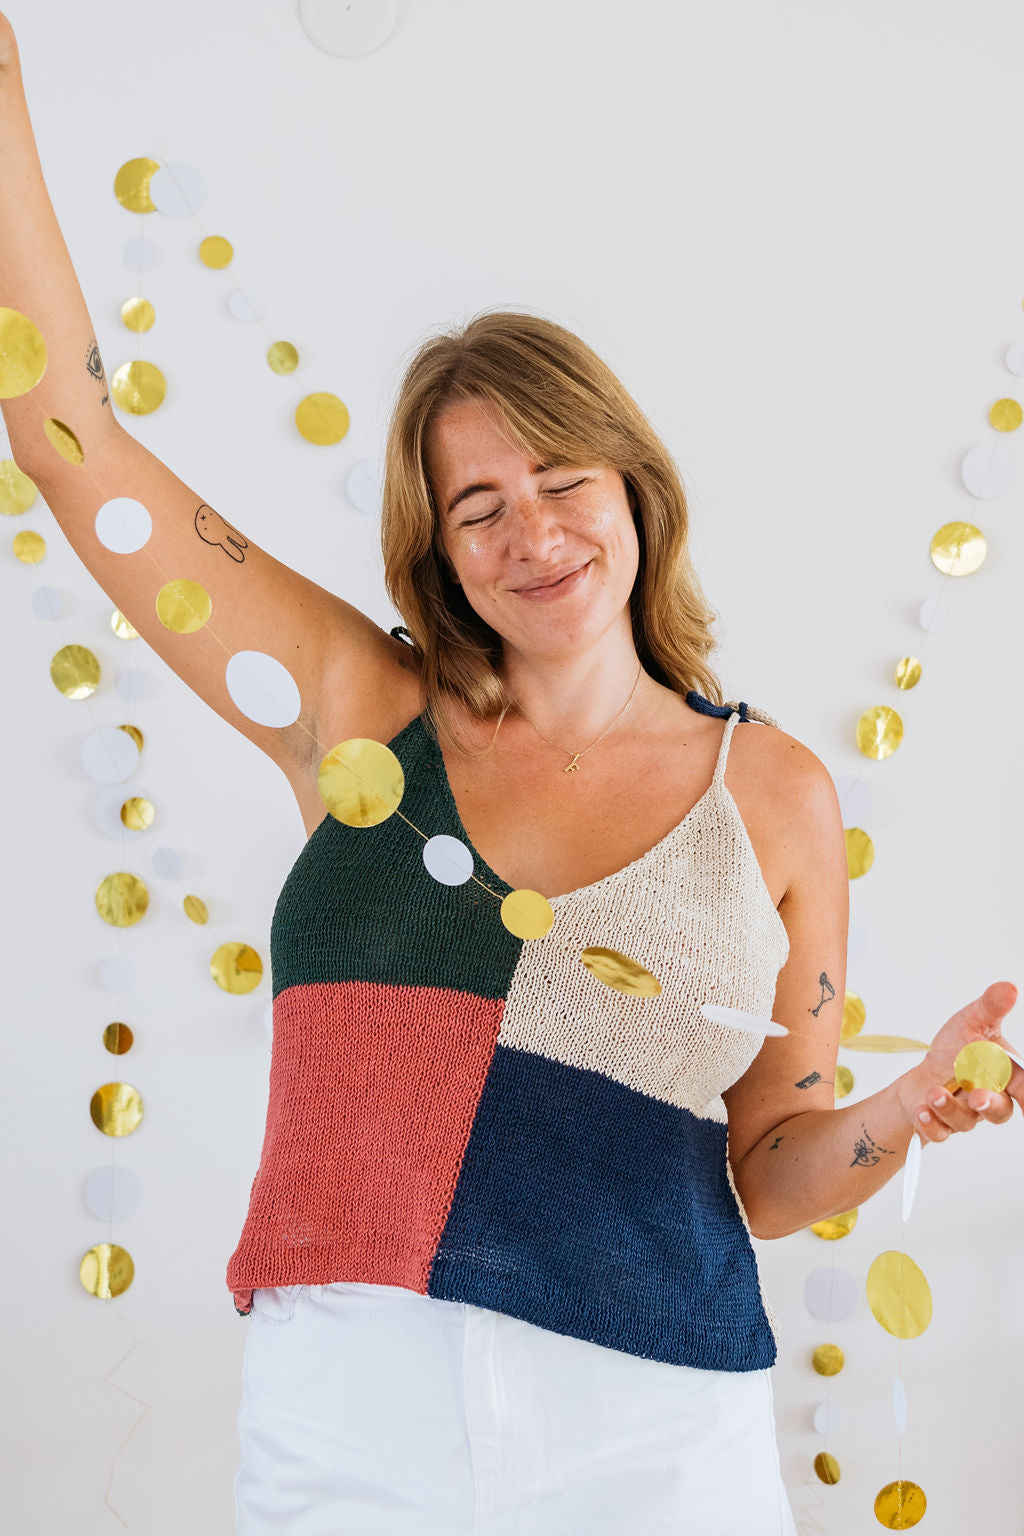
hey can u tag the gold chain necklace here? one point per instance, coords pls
(573, 766)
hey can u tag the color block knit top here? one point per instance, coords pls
(477, 1118)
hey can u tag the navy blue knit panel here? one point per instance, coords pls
(591, 1209)
(704, 706)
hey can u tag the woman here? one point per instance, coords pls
(497, 1257)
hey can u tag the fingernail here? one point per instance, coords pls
(984, 1103)
(924, 1115)
(938, 1098)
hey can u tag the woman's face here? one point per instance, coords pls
(546, 554)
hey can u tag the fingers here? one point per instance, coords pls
(943, 1113)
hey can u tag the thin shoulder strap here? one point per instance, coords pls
(723, 751)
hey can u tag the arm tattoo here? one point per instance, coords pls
(866, 1150)
(808, 1082)
(774, 1144)
(823, 983)
(216, 530)
(94, 363)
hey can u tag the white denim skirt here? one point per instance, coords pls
(370, 1410)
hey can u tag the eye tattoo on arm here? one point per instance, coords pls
(216, 530)
(825, 985)
(866, 1150)
(94, 363)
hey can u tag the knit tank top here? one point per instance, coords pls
(477, 1118)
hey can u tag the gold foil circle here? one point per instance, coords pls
(123, 628)
(29, 547)
(118, 1038)
(183, 606)
(620, 972)
(361, 782)
(22, 354)
(1006, 415)
(75, 671)
(828, 1359)
(236, 967)
(844, 1082)
(826, 1467)
(138, 387)
(134, 732)
(282, 357)
(886, 1044)
(854, 1014)
(958, 549)
(983, 1064)
(138, 314)
(106, 1270)
(61, 438)
(908, 672)
(879, 731)
(835, 1227)
(17, 491)
(195, 909)
(899, 1295)
(121, 899)
(116, 1109)
(322, 418)
(900, 1505)
(131, 185)
(527, 914)
(216, 252)
(137, 813)
(860, 852)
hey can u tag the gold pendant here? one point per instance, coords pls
(572, 768)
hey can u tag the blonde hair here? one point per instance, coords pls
(557, 400)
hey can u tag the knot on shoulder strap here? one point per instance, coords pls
(746, 712)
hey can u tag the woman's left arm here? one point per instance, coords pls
(795, 1157)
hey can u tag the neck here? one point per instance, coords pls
(572, 697)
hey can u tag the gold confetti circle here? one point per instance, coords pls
(61, 438)
(121, 899)
(216, 252)
(134, 732)
(236, 967)
(908, 672)
(22, 354)
(183, 606)
(958, 549)
(888, 1044)
(828, 1359)
(116, 1109)
(1006, 415)
(860, 852)
(854, 1014)
(282, 357)
(17, 491)
(138, 387)
(900, 1505)
(982, 1064)
(138, 314)
(899, 1295)
(844, 1082)
(527, 914)
(835, 1227)
(195, 909)
(118, 1038)
(619, 971)
(138, 813)
(361, 782)
(879, 731)
(29, 547)
(106, 1270)
(826, 1467)
(75, 671)
(122, 627)
(322, 418)
(131, 185)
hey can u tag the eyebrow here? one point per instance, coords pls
(488, 485)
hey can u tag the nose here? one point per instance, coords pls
(534, 531)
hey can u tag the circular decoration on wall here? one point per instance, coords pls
(50, 603)
(246, 305)
(132, 683)
(112, 1193)
(167, 864)
(735, 1018)
(22, 354)
(29, 547)
(282, 357)
(116, 1109)
(854, 796)
(61, 438)
(123, 525)
(1006, 415)
(911, 1174)
(620, 972)
(75, 671)
(900, 1505)
(982, 1064)
(138, 387)
(348, 29)
(195, 910)
(121, 899)
(178, 190)
(140, 254)
(137, 813)
(216, 252)
(137, 314)
(363, 486)
(860, 852)
(322, 418)
(879, 731)
(830, 1294)
(987, 470)
(908, 672)
(826, 1466)
(183, 606)
(123, 628)
(134, 732)
(934, 611)
(844, 1082)
(17, 491)
(1015, 358)
(447, 859)
(527, 914)
(109, 755)
(361, 782)
(107, 811)
(236, 968)
(106, 1270)
(958, 549)
(854, 1014)
(828, 1359)
(886, 1044)
(117, 973)
(262, 689)
(827, 1417)
(899, 1295)
(835, 1227)
(118, 1038)
(131, 185)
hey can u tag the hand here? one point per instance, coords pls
(919, 1089)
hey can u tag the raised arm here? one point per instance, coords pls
(257, 602)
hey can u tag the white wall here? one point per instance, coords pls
(795, 231)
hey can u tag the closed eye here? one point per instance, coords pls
(556, 490)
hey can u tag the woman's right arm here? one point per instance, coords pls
(328, 646)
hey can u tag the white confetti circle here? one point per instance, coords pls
(447, 859)
(123, 525)
(132, 683)
(363, 486)
(50, 603)
(854, 799)
(178, 190)
(348, 29)
(140, 254)
(262, 688)
(109, 755)
(247, 305)
(735, 1018)
(268, 1022)
(1015, 358)
(934, 611)
(112, 1193)
(987, 470)
(911, 1174)
(830, 1294)
(167, 863)
(826, 1417)
(117, 973)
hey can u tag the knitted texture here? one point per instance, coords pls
(479, 1119)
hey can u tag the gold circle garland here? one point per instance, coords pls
(982, 1064)
(236, 967)
(899, 1296)
(106, 1270)
(900, 1505)
(826, 1466)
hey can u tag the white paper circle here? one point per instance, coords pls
(268, 1022)
(899, 1402)
(123, 525)
(167, 864)
(1015, 358)
(987, 470)
(109, 755)
(178, 190)
(934, 611)
(856, 940)
(830, 1294)
(826, 1417)
(735, 1018)
(447, 859)
(854, 799)
(140, 254)
(911, 1174)
(262, 688)
(117, 973)
(132, 684)
(363, 486)
(50, 603)
(246, 304)
(112, 1193)
(107, 811)
(348, 29)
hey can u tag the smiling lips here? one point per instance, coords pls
(558, 584)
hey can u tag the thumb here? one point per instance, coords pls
(985, 1014)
